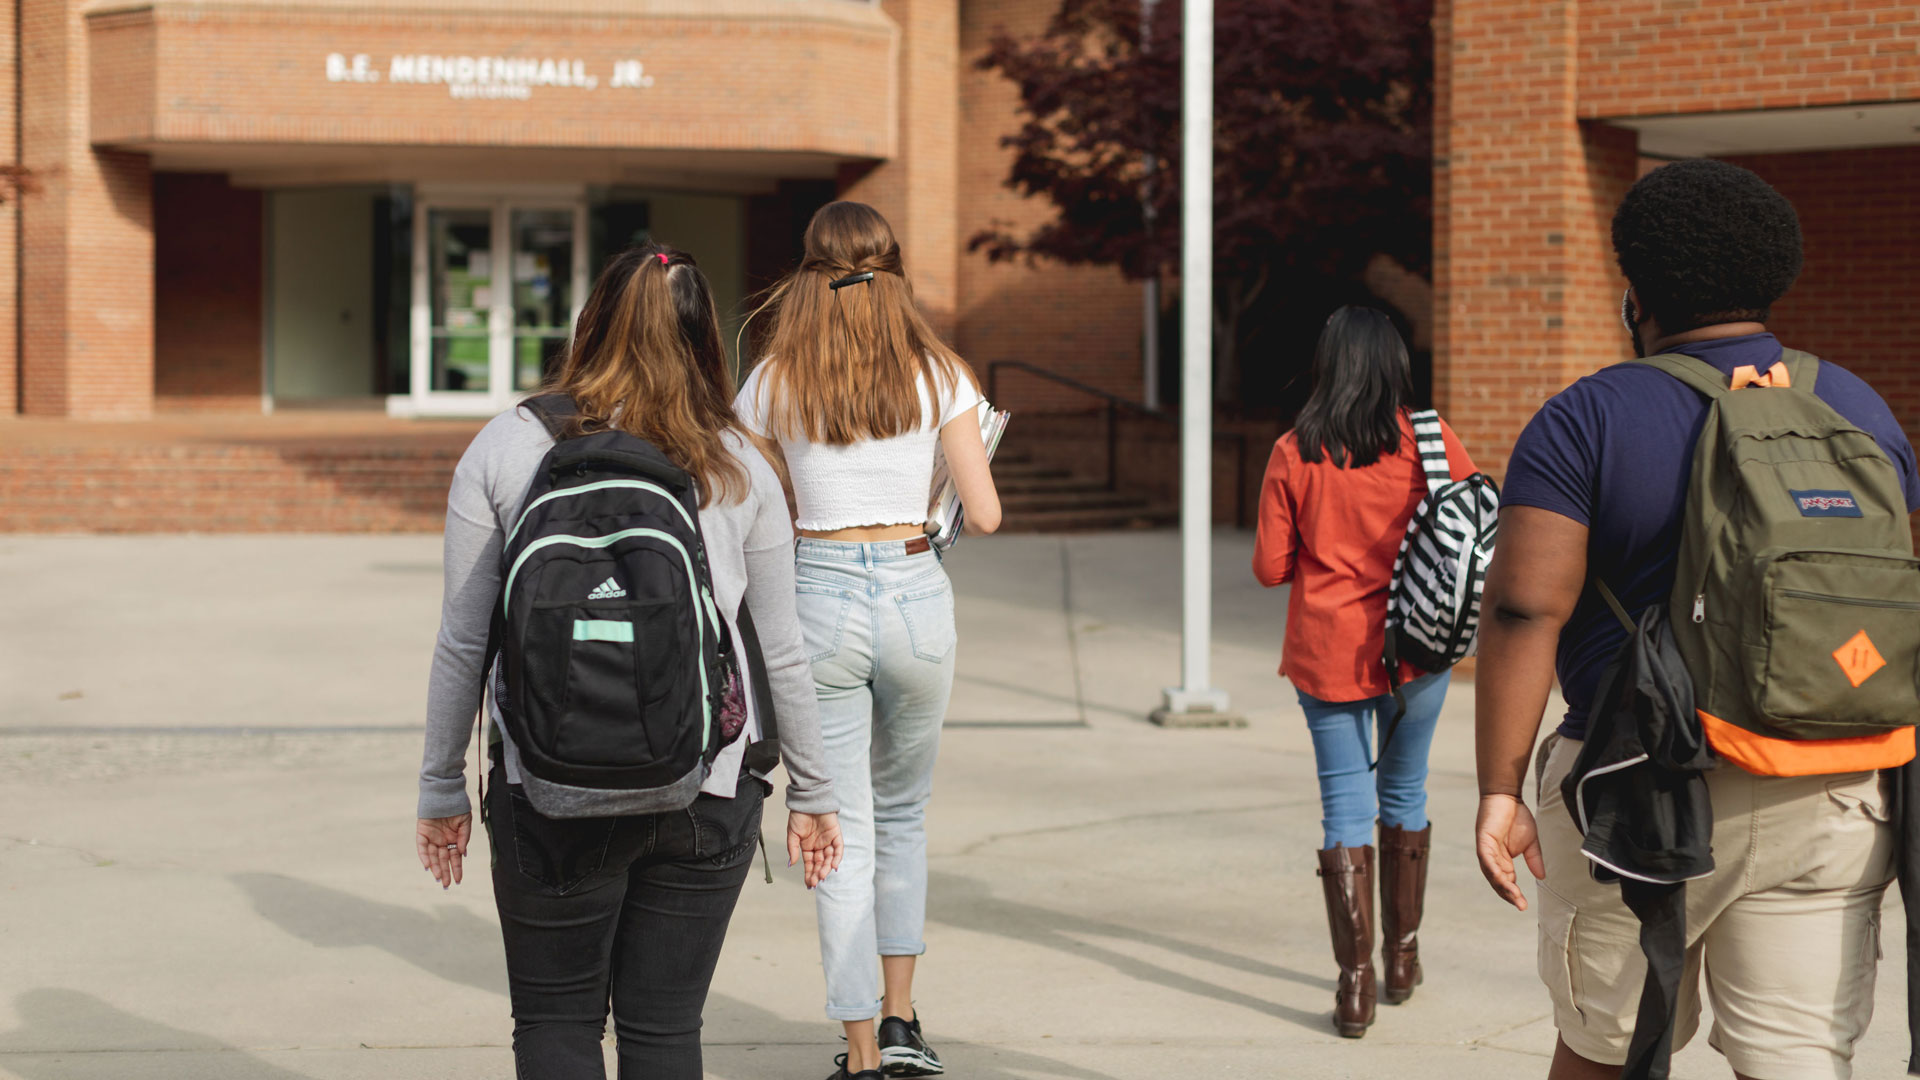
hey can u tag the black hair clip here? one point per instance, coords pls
(851, 279)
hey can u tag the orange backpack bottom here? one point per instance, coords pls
(1764, 756)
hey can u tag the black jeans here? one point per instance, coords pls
(628, 910)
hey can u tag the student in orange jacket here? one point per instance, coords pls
(1338, 493)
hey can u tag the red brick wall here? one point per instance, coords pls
(1525, 286)
(1647, 57)
(1856, 302)
(207, 293)
(1081, 322)
(9, 220)
(916, 190)
(87, 266)
(797, 75)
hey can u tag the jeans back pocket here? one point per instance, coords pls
(822, 611)
(928, 613)
(559, 854)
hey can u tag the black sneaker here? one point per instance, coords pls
(903, 1052)
(842, 1074)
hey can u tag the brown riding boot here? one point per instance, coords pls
(1403, 895)
(1346, 877)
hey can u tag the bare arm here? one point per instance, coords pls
(1535, 581)
(967, 464)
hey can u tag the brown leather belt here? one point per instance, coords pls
(918, 545)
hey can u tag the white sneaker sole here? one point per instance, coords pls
(898, 1061)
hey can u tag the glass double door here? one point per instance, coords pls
(497, 286)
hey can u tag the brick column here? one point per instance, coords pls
(9, 218)
(87, 265)
(1526, 296)
(918, 189)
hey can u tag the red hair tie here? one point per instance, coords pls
(663, 258)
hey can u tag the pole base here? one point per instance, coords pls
(1196, 709)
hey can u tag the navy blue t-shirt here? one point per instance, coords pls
(1614, 452)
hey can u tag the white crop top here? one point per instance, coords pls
(874, 482)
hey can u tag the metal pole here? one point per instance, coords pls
(1150, 292)
(1195, 702)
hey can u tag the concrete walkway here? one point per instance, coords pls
(207, 753)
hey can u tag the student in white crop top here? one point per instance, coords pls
(873, 485)
(854, 390)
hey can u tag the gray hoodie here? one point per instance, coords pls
(749, 550)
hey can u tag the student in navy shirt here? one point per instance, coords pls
(1786, 927)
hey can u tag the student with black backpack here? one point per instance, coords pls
(1741, 509)
(619, 569)
(1340, 493)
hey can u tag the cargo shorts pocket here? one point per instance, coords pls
(1559, 959)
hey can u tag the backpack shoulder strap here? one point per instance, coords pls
(763, 755)
(553, 410)
(1432, 444)
(1802, 368)
(1693, 371)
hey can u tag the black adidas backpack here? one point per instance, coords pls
(614, 655)
(1433, 603)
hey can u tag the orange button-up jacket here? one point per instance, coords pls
(1333, 532)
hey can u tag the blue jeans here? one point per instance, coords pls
(1342, 731)
(878, 625)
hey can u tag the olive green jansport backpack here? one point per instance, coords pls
(1796, 597)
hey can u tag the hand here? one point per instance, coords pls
(1503, 832)
(442, 843)
(814, 839)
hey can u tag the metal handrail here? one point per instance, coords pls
(1114, 403)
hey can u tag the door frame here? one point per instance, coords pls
(500, 201)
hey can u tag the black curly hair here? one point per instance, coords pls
(1706, 242)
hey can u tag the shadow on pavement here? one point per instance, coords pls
(454, 944)
(963, 902)
(57, 1017)
(746, 1042)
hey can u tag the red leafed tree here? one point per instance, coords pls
(1322, 133)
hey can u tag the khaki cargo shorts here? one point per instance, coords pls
(1787, 928)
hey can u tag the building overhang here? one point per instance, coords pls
(1777, 131)
(670, 84)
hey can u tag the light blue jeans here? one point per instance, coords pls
(878, 625)
(1342, 731)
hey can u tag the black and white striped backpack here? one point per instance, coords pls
(1433, 604)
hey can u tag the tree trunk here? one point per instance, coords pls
(1231, 301)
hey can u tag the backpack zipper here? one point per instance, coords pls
(602, 485)
(1857, 601)
(1700, 607)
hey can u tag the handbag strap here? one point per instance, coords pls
(1432, 444)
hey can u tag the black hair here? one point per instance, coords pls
(1361, 381)
(1706, 242)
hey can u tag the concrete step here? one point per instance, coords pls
(1145, 515)
(1084, 498)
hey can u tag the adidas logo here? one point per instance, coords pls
(607, 590)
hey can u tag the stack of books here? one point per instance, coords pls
(949, 517)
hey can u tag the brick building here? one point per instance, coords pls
(1548, 111)
(248, 206)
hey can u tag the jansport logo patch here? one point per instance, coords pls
(1826, 503)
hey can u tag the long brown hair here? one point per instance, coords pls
(845, 365)
(647, 358)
